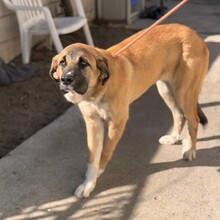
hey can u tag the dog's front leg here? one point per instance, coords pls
(95, 135)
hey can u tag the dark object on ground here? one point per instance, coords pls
(154, 12)
(10, 73)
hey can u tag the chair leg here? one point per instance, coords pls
(49, 42)
(26, 39)
(57, 42)
(88, 35)
(22, 46)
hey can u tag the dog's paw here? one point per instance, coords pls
(187, 152)
(169, 140)
(84, 190)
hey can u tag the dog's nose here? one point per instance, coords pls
(67, 78)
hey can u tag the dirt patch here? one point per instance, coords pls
(30, 105)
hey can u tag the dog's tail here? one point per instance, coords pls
(203, 119)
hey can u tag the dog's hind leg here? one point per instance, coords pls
(166, 92)
(189, 144)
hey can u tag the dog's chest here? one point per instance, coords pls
(73, 97)
(100, 108)
(103, 111)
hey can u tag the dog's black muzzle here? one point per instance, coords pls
(73, 81)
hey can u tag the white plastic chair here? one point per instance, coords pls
(36, 19)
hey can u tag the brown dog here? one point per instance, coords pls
(104, 85)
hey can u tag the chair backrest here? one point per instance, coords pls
(34, 15)
(25, 12)
(24, 16)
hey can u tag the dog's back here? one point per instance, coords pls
(176, 58)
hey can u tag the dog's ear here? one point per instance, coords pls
(53, 69)
(102, 64)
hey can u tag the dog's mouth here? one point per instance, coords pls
(79, 87)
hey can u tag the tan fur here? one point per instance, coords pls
(173, 56)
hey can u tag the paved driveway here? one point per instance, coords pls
(144, 179)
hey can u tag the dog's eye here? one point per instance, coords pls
(63, 62)
(83, 63)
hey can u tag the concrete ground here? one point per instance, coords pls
(144, 179)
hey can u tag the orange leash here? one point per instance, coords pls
(152, 26)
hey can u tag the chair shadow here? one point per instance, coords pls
(209, 104)
(214, 51)
(216, 137)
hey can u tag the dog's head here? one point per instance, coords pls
(79, 68)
